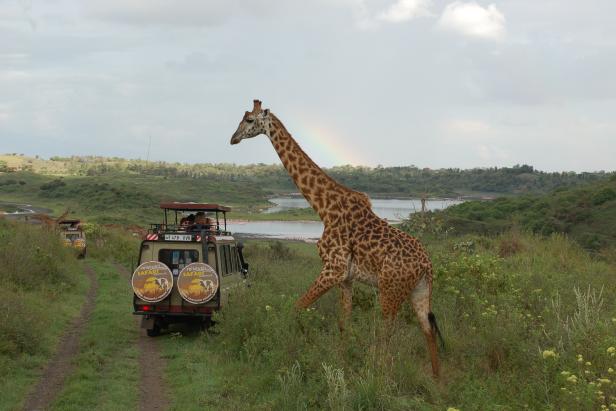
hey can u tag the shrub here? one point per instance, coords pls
(33, 257)
(36, 271)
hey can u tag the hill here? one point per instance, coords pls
(586, 213)
(384, 181)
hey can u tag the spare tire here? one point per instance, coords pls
(152, 281)
(198, 283)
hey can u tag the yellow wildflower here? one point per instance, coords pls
(588, 363)
(565, 373)
(268, 308)
(452, 409)
(610, 370)
(549, 354)
(611, 350)
(572, 379)
(604, 380)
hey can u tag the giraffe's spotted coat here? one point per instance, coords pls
(356, 244)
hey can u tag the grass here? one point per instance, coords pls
(42, 289)
(296, 214)
(528, 321)
(107, 372)
(515, 328)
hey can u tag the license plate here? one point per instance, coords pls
(178, 237)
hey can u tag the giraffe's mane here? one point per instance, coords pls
(298, 150)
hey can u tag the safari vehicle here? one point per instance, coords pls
(188, 264)
(73, 236)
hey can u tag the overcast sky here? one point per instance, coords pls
(394, 82)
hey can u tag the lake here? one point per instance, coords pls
(391, 209)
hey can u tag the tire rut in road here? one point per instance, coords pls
(61, 364)
(152, 387)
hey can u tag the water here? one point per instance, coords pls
(391, 209)
(296, 230)
(16, 209)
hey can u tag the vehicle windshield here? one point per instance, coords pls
(72, 236)
(177, 259)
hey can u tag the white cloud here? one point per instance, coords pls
(470, 19)
(492, 154)
(162, 12)
(404, 10)
(367, 16)
(468, 127)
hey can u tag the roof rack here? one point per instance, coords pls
(173, 223)
(69, 221)
(190, 206)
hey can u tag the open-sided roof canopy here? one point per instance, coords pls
(194, 207)
(69, 221)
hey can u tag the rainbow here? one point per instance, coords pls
(326, 145)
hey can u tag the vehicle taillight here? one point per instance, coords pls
(146, 308)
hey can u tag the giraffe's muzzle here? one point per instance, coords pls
(235, 139)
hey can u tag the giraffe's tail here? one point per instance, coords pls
(435, 330)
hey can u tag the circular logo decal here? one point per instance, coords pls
(152, 281)
(197, 283)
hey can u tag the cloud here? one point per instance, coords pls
(470, 19)
(399, 11)
(188, 13)
(405, 10)
(468, 127)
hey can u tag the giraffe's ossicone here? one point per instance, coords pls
(356, 244)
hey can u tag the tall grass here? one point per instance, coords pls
(112, 244)
(516, 327)
(41, 290)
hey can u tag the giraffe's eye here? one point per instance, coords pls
(250, 120)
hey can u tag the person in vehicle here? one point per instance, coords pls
(187, 221)
(201, 222)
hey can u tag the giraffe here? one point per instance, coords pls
(356, 244)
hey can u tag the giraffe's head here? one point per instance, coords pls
(253, 123)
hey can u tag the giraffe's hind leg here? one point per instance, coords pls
(346, 303)
(420, 299)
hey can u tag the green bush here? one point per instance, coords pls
(37, 273)
(33, 257)
(112, 244)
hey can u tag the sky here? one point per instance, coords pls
(430, 83)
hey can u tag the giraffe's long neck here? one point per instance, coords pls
(318, 188)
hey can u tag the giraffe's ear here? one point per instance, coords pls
(266, 112)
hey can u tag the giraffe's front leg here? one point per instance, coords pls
(330, 276)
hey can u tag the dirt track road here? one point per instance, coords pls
(61, 364)
(152, 387)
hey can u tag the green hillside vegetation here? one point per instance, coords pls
(587, 214)
(41, 289)
(125, 198)
(386, 181)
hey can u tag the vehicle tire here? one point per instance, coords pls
(206, 323)
(154, 331)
